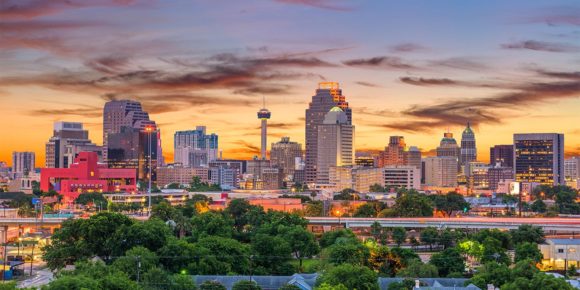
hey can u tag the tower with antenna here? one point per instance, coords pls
(264, 115)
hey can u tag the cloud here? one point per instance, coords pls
(408, 47)
(367, 84)
(462, 63)
(283, 126)
(561, 75)
(26, 9)
(389, 62)
(557, 16)
(322, 4)
(541, 46)
(246, 147)
(89, 112)
(427, 82)
(108, 64)
(489, 110)
(375, 112)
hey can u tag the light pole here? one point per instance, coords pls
(149, 130)
(32, 255)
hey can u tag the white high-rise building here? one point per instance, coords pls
(571, 168)
(441, 171)
(335, 144)
(402, 177)
(195, 148)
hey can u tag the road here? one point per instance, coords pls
(40, 278)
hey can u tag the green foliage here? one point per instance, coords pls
(399, 235)
(182, 282)
(471, 248)
(429, 236)
(572, 271)
(350, 276)
(527, 233)
(529, 251)
(406, 284)
(349, 251)
(413, 204)
(129, 263)
(448, 261)
(314, 209)
(301, 242)
(384, 262)
(417, 269)
(503, 237)
(376, 188)
(369, 209)
(151, 234)
(539, 206)
(326, 286)
(92, 199)
(347, 194)
(272, 255)
(450, 202)
(222, 256)
(329, 238)
(289, 287)
(493, 251)
(163, 211)
(303, 198)
(211, 224)
(79, 282)
(211, 285)
(246, 285)
(156, 279)
(197, 186)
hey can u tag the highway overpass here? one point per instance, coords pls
(548, 224)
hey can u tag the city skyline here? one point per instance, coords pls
(509, 68)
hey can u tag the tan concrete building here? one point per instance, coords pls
(441, 171)
(181, 175)
(359, 179)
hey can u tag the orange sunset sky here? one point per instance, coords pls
(411, 68)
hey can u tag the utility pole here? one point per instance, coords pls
(149, 129)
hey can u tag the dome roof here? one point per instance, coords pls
(336, 109)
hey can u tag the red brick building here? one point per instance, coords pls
(87, 175)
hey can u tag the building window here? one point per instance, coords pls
(560, 250)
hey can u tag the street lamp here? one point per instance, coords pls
(32, 255)
(338, 214)
(149, 130)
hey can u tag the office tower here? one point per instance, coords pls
(181, 175)
(572, 168)
(4, 170)
(261, 174)
(539, 158)
(502, 154)
(364, 161)
(497, 174)
(359, 179)
(476, 174)
(284, 154)
(441, 171)
(328, 95)
(264, 115)
(225, 177)
(124, 113)
(335, 143)
(394, 152)
(402, 177)
(468, 149)
(22, 163)
(134, 148)
(448, 148)
(67, 141)
(413, 157)
(195, 148)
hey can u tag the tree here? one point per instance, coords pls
(384, 262)
(350, 276)
(417, 269)
(430, 236)
(136, 261)
(448, 261)
(79, 282)
(151, 234)
(347, 194)
(92, 199)
(301, 243)
(529, 251)
(406, 284)
(376, 230)
(173, 186)
(503, 237)
(211, 285)
(493, 251)
(539, 206)
(572, 271)
(450, 202)
(471, 248)
(211, 224)
(163, 211)
(329, 238)
(491, 273)
(413, 204)
(366, 210)
(271, 255)
(314, 209)
(547, 282)
(399, 235)
(376, 188)
(566, 202)
(348, 252)
(290, 287)
(527, 233)
(246, 285)
(221, 256)
(156, 279)
(181, 282)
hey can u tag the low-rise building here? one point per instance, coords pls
(560, 254)
(359, 179)
(180, 175)
(402, 177)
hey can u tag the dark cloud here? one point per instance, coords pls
(561, 75)
(26, 9)
(462, 63)
(375, 112)
(427, 82)
(489, 110)
(108, 64)
(284, 126)
(162, 103)
(367, 84)
(246, 147)
(90, 112)
(408, 47)
(389, 62)
(323, 4)
(541, 46)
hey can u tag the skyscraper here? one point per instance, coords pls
(440, 171)
(448, 148)
(264, 115)
(394, 152)
(22, 163)
(283, 154)
(468, 148)
(335, 143)
(328, 95)
(572, 168)
(539, 158)
(124, 113)
(502, 154)
(135, 148)
(194, 148)
(67, 141)
(413, 157)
